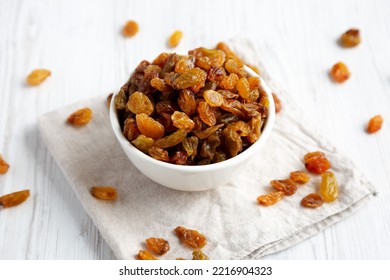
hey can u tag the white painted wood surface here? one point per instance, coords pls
(80, 42)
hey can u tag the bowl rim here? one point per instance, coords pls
(267, 128)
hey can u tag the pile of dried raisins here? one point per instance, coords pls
(193, 109)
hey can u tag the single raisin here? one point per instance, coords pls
(232, 141)
(179, 158)
(186, 102)
(14, 199)
(182, 121)
(229, 82)
(278, 103)
(329, 188)
(139, 103)
(206, 113)
(243, 88)
(351, 38)
(240, 127)
(130, 129)
(190, 237)
(36, 77)
(158, 246)
(312, 200)
(270, 198)
(160, 85)
(300, 177)
(4, 166)
(175, 38)
(145, 255)
(190, 145)
(213, 98)
(161, 59)
(199, 255)
(192, 78)
(233, 67)
(172, 139)
(184, 64)
(149, 127)
(287, 186)
(209, 146)
(375, 124)
(158, 153)
(340, 72)
(255, 126)
(316, 162)
(104, 192)
(130, 29)
(143, 143)
(80, 117)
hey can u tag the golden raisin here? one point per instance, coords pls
(190, 237)
(172, 139)
(270, 198)
(182, 121)
(316, 162)
(199, 255)
(130, 129)
(4, 166)
(351, 38)
(255, 126)
(14, 199)
(143, 143)
(206, 113)
(186, 102)
(340, 72)
(300, 177)
(36, 77)
(158, 246)
(243, 88)
(375, 124)
(329, 188)
(278, 103)
(149, 127)
(175, 38)
(139, 103)
(312, 200)
(287, 186)
(229, 82)
(158, 153)
(130, 29)
(213, 98)
(104, 192)
(160, 85)
(254, 82)
(145, 255)
(80, 117)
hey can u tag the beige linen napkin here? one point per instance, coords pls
(235, 225)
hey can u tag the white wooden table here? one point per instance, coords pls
(80, 42)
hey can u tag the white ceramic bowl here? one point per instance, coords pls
(194, 178)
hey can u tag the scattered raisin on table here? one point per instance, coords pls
(145, 255)
(199, 108)
(287, 186)
(351, 38)
(375, 124)
(130, 29)
(300, 177)
(104, 192)
(158, 246)
(36, 77)
(190, 237)
(270, 198)
(329, 188)
(14, 199)
(80, 117)
(4, 166)
(199, 255)
(278, 103)
(312, 200)
(175, 38)
(316, 162)
(340, 72)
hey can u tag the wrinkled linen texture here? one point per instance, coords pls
(235, 225)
